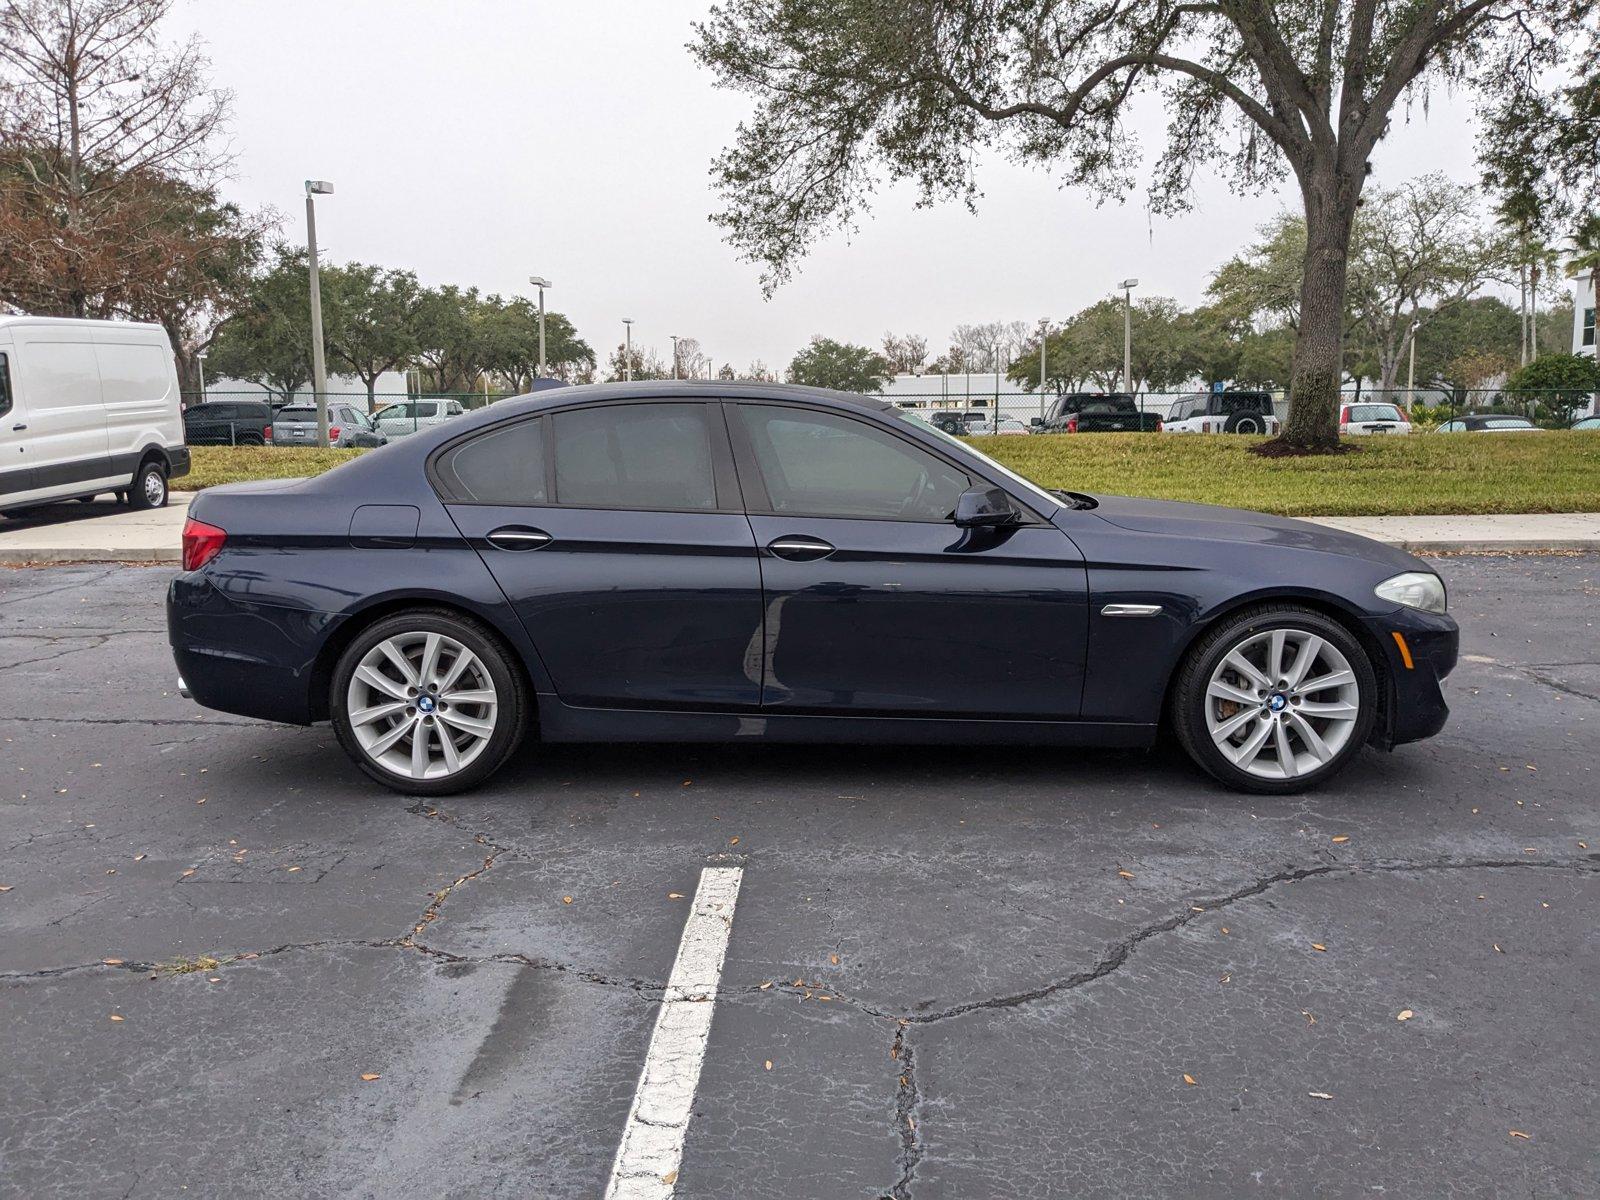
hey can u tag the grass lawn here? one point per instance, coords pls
(1422, 473)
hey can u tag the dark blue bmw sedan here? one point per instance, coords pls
(707, 562)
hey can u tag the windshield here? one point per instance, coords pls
(1035, 493)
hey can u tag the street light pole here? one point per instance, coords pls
(627, 352)
(319, 365)
(1411, 375)
(541, 283)
(674, 338)
(1127, 286)
(200, 361)
(1044, 349)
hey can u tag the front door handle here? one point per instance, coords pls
(799, 548)
(519, 537)
(19, 427)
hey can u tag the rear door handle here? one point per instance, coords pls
(519, 537)
(799, 548)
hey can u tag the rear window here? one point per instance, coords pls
(503, 466)
(5, 384)
(296, 413)
(1508, 423)
(1251, 402)
(643, 456)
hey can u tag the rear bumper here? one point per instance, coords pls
(1416, 706)
(253, 660)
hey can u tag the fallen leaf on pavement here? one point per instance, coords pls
(674, 895)
(112, 962)
(1405, 1014)
(766, 985)
(1318, 946)
(767, 1064)
(370, 1076)
(1319, 1095)
(1517, 1133)
(1343, 837)
(1125, 874)
(566, 899)
(733, 841)
(1189, 1079)
(117, 1017)
(834, 959)
(670, 1177)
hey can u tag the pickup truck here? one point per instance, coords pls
(1090, 412)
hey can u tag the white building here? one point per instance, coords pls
(1583, 306)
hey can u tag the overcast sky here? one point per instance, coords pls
(478, 141)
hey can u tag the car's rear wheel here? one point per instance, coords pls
(149, 488)
(428, 702)
(1277, 700)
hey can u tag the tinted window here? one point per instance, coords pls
(5, 384)
(503, 466)
(298, 414)
(652, 456)
(824, 465)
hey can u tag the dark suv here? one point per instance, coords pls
(228, 423)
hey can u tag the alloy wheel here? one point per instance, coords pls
(1282, 704)
(422, 705)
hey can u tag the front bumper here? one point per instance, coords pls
(1415, 706)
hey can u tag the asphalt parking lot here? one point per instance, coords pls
(229, 964)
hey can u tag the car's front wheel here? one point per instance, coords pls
(428, 702)
(1275, 700)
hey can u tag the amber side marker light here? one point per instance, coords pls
(1405, 650)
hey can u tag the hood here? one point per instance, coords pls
(1211, 522)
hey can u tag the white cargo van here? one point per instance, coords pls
(87, 407)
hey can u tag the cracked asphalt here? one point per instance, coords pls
(976, 972)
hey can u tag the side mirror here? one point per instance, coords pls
(979, 507)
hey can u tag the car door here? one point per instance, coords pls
(60, 381)
(615, 530)
(865, 578)
(16, 476)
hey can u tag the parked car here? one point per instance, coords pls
(1007, 425)
(952, 420)
(228, 423)
(1374, 418)
(409, 416)
(1488, 423)
(1587, 423)
(698, 561)
(296, 425)
(1094, 412)
(87, 407)
(1223, 412)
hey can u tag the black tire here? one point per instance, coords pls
(1245, 422)
(250, 439)
(513, 706)
(149, 486)
(1189, 694)
(15, 514)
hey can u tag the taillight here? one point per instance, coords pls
(1344, 415)
(266, 433)
(1404, 415)
(333, 433)
(1160, 425)
(201, 543)
(1072, 423)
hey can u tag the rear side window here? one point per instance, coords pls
(5, 384)
(645, 456)
(503, 466)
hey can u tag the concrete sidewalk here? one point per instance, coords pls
(105, 532)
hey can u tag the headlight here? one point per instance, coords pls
(1414, 589)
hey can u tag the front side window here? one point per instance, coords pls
(823, 465)
(640, 456)
(502, 466)
(5, 384)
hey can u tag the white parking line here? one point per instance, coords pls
(646, 1166)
